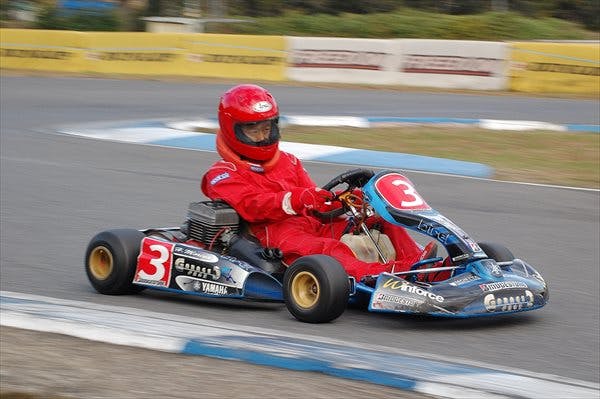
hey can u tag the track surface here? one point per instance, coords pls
(60, 367)
(57, 191)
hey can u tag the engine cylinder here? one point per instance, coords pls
(207, 219)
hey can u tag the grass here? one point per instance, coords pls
(409, 23)
(560, 158)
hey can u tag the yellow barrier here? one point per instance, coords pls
(535, 67)
(236, 56)
(41, 50)
(138, 53)
(555, 67)
(141, 53)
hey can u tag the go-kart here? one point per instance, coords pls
(212, 254)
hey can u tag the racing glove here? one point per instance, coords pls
(315, 198)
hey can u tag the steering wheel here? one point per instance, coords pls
(354, 178)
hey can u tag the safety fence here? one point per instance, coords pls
(557, 67)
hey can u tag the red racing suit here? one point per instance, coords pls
(258, 197)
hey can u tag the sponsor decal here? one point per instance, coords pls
(451, 65)
(41, 54)
(191, 268)
(211, 288)
(154, 263)
(441, 219)
(130, 56)
(196, 253)
(256, 168)
(398, 300)
(226, 273)
(262, 106)
(508, 303)
(239, 263)
(474, 246)
(433, 231)
(405, 286)
(205, 287)
(148, 281)
(449, 224)
(501, 285)
(237, 59)
(460, 280)
(493, 267)
(339, 59)
(564, 68)
(218, 178)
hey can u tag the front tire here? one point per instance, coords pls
(111, 260)
(316, 289)
(498, 252)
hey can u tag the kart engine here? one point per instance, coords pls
(208, 219)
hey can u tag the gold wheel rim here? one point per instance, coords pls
(101, 263)
(305, 289)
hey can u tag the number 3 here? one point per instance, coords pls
(158, 263)
(410, 191)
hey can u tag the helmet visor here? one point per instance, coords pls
(258, 134)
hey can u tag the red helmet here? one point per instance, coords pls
(245, 104)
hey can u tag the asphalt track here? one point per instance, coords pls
(57, 191)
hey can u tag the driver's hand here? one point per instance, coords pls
(314, 198)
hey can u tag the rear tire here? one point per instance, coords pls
(498, 252)
(111, 260)
(316, 289)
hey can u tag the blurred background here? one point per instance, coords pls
(449, 19)
(57, 190)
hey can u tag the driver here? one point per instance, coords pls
(270, 189)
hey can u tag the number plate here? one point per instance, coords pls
(400, 193)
